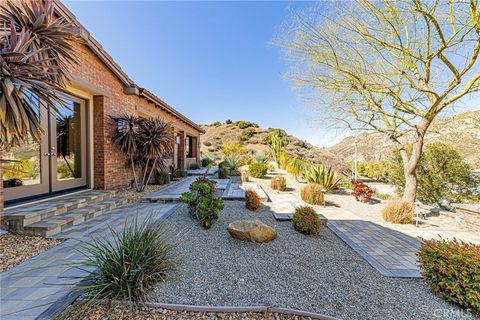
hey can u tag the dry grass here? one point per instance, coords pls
(312, 194)
(398, 211)
(14, 249)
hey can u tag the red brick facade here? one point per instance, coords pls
(109, 165)
(111, 92)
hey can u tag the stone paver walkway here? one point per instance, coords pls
(198, 172)
(32, 289)
(172, 192)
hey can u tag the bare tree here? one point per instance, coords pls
(388, 66)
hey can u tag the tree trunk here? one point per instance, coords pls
(410, 162)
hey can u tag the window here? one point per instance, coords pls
(188, 147)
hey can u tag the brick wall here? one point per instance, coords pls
(109, 169)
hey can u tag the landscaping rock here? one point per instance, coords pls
(251, 230)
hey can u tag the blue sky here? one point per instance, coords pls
(210, 60)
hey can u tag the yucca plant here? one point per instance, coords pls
(125, 264)
(35, 51)
(144, 142)
(260, 157)
(323, 176)
(233, 161)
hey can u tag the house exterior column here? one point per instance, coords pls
(181, 150)
(99, 138)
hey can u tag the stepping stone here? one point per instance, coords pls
(257, 188)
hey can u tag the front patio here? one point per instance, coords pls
(321, 274)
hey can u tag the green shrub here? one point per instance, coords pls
(245, 124)
(206, 161)
(207, 143)
(228, 121)
(278, 183)
(223, 172)
(194, 166)
(306, 220)
(202, 203)
(442, 173)
(452, 269)
(312, 194)
(252, 200)
(126, 265)
(247, 134)
(162, 177)
(216, 124)
(398, 211)
(257, 170)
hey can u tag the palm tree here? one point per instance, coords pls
(35, 51)
(144, 142)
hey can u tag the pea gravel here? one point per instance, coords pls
(317, 274)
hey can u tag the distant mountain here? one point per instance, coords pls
(462, 131)
(254, 139)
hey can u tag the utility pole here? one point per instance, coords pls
(355, 162)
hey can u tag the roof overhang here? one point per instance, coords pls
(130, 88)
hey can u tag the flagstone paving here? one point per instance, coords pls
(390, 252)
(28, 290)
(199, 172)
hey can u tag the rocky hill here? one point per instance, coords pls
(461, 131)
(254, 139)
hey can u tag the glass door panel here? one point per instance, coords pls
(29, 170)
(67, 145)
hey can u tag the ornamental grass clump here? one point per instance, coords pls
(125, 265)
(306, 220)
(312, 194)
(398, 212)
(252, 200)
(278, 183)
(452, 269)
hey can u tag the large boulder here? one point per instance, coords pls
(251, 230)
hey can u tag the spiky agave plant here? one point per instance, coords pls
(319, 174)
(35, 50)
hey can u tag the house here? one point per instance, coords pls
(85, 156)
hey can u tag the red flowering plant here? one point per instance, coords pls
(361, 191)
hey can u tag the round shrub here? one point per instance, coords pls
(306, 220)
(278, 183)
(223, 172)
(452, 269)
(206, 161)
(252, 200)
(194, 166)
(312, 194)
(257, 170)
(398, 212)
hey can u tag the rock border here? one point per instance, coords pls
(223, 309)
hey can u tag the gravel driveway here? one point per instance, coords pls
(319, 274)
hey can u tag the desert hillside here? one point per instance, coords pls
(461, 131)
(254, 139)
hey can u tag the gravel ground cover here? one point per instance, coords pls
(122, 312)
(317, 274)
(14, 249)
